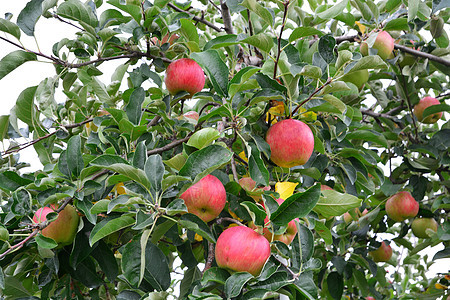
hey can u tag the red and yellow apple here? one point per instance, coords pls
(382, 254)
(64, 228)
(348, 218)
(384, 43)
(325, 187)
(205, 199)
(420, 225)
(287, 237)
(241, 249)
(358, 78)
(422, 105)
(249, 185)
(291, 143)
(184, 75)
(402, 206)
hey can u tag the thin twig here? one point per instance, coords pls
(312, 95)
(67, 22)
(233, 169)
(194, 17)
(170, 145)
(408, 101)
(226, 17)
(379, 115)
(275, 67)
(210, 257)
(226, 219)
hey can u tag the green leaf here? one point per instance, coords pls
(106, 260)
(45, 242)
(334, 203)
(369, 62)
(439, 4)
(11, 181)
(216, 275)
(413, 8)
(260, 10)
(235, 283)
(323, 231)
(134, 107)
(301, 32)
(311, 71)
(176, 206)
(24, 108)
(204, 161)
(78, 11)
(194, 223)
(397, 24)
(261, 41)
(239, 80)
(335, 102)
(435, 109)
(305, 240)
(74, 156)
(10, 27)
(369, 136)
(189, 31)
(221, 41)
(256, 212)
(203, 137)
(154, 169)
(296, 206)
(257, 167)
(335, 285)
(215, 68)
(108, 226)
(333, 11)
(29, 15)
(335, 86)
(132, 10)
(140, 156)
(13, 60)
(326, 48)
(4, 126)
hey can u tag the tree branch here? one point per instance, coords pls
(57, 17)
(226, 219)
(379, 115)
(210, 258)
(312, 95)
(226, 18)
(194, 17)
(169, 146)
(275, 67)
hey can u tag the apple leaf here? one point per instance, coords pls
(215, 68)
(302, 246)
(334, 203)
(108, 226)
(301, 32)
(216, 275)
(256, 212)
(77, 11)
(29, 15)
(75, 162)
(368, 62)
(296, 206)
(45, 242)
(194, 223)
(333, 11)
(134, 106)
(257, 168)
(221, 41)
(235, 283)
(323, 231)
(368, 136)
(154, 169)
(177, 206)
(261, 41)
(260, 10)
(435, 109)
(10, 27)
(203, 137)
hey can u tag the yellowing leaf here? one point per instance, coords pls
(243, 156)
(361, 27)
(285, 189)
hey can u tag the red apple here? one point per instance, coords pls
(241, 249)
(291, 143)
(384, 43)
(348, 218)
(184, 75)
(64, 228)
(402, 206)
(325, 187)
(370, 298)
(205, 199)
(249, 185)
(287, 237)
(358, 78)
(383, 253)
(420, 107)
(419, 227)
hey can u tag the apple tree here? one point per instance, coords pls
(162, 161)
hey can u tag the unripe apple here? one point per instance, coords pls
(184, 75)
(288, 236)
(241, 249)
(402, 206)
(291, 143)
(358, 78)
(249, 185)
(382, 254)
(419, 227)
(205, 199)
(64, 228)
(384, 43)
(422, 105)
(348, 218)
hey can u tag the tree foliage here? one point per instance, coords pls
(122, 151)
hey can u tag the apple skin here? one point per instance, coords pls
(291, 143)
(348, 218)
(241, 249)
(325, 187)
(358, 78)
(184, 75)
(422, 105)
(249, 185)
(205, 199)
(288, 236)
(402, 206)
(419, 227)
(370, 298)
(384, 43)
(382, 254)
(64, 228)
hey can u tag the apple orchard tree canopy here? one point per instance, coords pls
(342, 87)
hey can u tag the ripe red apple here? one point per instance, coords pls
(205, 199)
(358, 78)
(420, 107)
(384, 43)
(402, 206)
(249, 185)
(419, 227)
(348, 218)
(370, 298)
(241, 249)
(383, 253)
(64, 228)
(291, 143)
(184, 75)
(287, 237)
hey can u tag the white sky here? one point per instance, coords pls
(49, 31)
